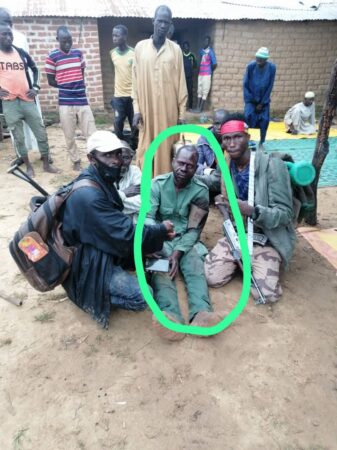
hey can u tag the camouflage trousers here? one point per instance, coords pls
(220, 268)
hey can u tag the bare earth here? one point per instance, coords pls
(269, 381)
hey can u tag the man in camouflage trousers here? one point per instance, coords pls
(272, 213)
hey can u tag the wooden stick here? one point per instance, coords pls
(322, 142)
(11, 299)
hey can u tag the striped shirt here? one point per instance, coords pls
(67, 69)
(208, 60)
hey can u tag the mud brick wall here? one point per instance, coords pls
(304, 53)
(41, 36)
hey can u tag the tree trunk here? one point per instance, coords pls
(322, 142)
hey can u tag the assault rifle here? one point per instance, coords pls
(234, 244)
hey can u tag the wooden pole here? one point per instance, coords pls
(322, 142)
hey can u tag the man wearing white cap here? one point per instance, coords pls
(258, 83)
(300, 118)
(103, 235)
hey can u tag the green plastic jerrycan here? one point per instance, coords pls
(301, 173)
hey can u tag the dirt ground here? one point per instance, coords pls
(269, 381)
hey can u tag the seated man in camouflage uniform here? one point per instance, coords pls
(272, 213)
(184, 200)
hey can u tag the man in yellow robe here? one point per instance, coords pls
(159, 90)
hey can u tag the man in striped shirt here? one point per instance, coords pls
(65, 71)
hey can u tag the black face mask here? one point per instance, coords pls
(109, 174)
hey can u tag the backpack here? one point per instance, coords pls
(38, 247)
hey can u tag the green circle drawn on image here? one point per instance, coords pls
(146, 207)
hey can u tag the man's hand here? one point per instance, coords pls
(3, 93)
(259, 107)
(169, 228)
(137, 120)
(245, 209)
(32, 93)
(174, 263)
(181, 122)
(132, 190)
(223, 204)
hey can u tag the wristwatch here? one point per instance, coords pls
(36, 87)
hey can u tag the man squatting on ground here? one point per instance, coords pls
(180, 197)
(65, 71)
(18, 93)
(129, 184)
(94, 223)
(272, 213)
(122, 58)
(300, 118)
(208, 171)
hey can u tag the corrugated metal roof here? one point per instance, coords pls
(284, 10)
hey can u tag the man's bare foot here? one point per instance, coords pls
(207, 318)
(164, 332)
(30, 171)
(48, 168)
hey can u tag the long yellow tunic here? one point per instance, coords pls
(159, 93)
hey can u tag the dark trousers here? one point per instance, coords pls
(123, 109)
(189, 84)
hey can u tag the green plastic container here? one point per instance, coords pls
(301, 173)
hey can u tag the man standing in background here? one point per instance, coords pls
(65, 71)
(207, 66)
(18, 93)
(258, 83)
(122, 58)
(190, 63)
(20, 41)
(159, 90)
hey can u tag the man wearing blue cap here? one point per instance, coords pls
(257, 86)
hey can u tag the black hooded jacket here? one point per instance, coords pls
(93, 221)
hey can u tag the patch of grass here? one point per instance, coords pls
(17, 439)
(45, 317)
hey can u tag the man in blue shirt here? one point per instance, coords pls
(207, 66)
(258, 83)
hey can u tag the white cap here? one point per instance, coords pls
(104, 142)
(309, 94)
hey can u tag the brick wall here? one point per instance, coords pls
(303, 52)
(41, 35)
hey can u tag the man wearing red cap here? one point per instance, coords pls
(272, 213)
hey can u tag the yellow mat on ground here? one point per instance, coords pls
(276, 130)
(323, 241)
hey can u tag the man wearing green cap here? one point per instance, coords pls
(258, 83)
